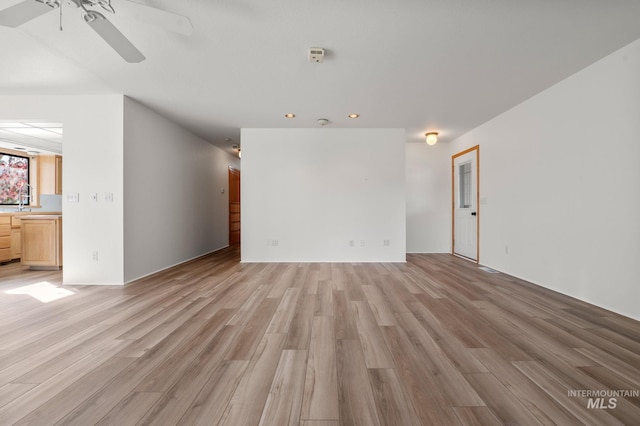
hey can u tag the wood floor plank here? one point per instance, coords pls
(451, 380)
(344, 322)
(67, 399)
(375, 349)
(174, 404)
(433, 341)
(11, 391)
(131, 409)
(247, 403)
(557, 388)
(300, 329)
(357, 403)
(502, 402)
(283, 316)
(430, 403)
(39, 395)
(285, 396)
(394, 408)
(477, 416)
(320, 400)
(210, 404)
(377, 303)
(544, 409)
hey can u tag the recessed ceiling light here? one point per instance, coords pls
(354, 115)
(290, 115)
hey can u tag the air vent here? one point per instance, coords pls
(316, 54)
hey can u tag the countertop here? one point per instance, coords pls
(32, 213)
(41, 216)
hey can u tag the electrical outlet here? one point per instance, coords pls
(386, 243)
(93, 197)
(73, 197)
(352, 243)
(94, 256)
(108, 197)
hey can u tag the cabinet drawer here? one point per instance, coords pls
(5, 254)
(5, 219)
(5, 241)
(5, 229)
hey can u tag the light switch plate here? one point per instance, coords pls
(73, 197)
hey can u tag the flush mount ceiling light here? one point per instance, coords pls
(237, 148)
(290, 115)
(432, 138)
(353, 115)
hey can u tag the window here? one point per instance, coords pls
(14, 178)
(464, 171)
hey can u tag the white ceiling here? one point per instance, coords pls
(443, 65)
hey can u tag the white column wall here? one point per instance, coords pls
(308, 193)
(92, 152)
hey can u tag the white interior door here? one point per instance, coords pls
(465, 203)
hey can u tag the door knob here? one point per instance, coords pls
(473, 213)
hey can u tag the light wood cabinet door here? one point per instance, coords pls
(41, 242)
(50, 174)
(16, 243)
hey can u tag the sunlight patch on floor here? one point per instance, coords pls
(43, 291)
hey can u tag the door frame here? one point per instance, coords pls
(231, 171)
(453, 201)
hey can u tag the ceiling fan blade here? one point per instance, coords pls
(114, 38)
(22, 12)
(161, 18)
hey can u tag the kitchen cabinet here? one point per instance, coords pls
(41, 238)
(5, 238)
(16, 239)
(50, 171)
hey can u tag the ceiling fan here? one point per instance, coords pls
(27, 10)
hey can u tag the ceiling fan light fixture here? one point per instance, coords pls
(54, 4)
(91, 16)
(432, 138)
(106, 5)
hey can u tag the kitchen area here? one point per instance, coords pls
(30, 196)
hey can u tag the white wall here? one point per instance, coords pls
(428, 179)
(174, 207)
(561, 175)
(315, 190)
(92, 163)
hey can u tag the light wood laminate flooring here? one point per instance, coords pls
(435, 341)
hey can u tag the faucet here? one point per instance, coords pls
(20, 196)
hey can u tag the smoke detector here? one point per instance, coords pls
(316, 54)
(323, 121)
